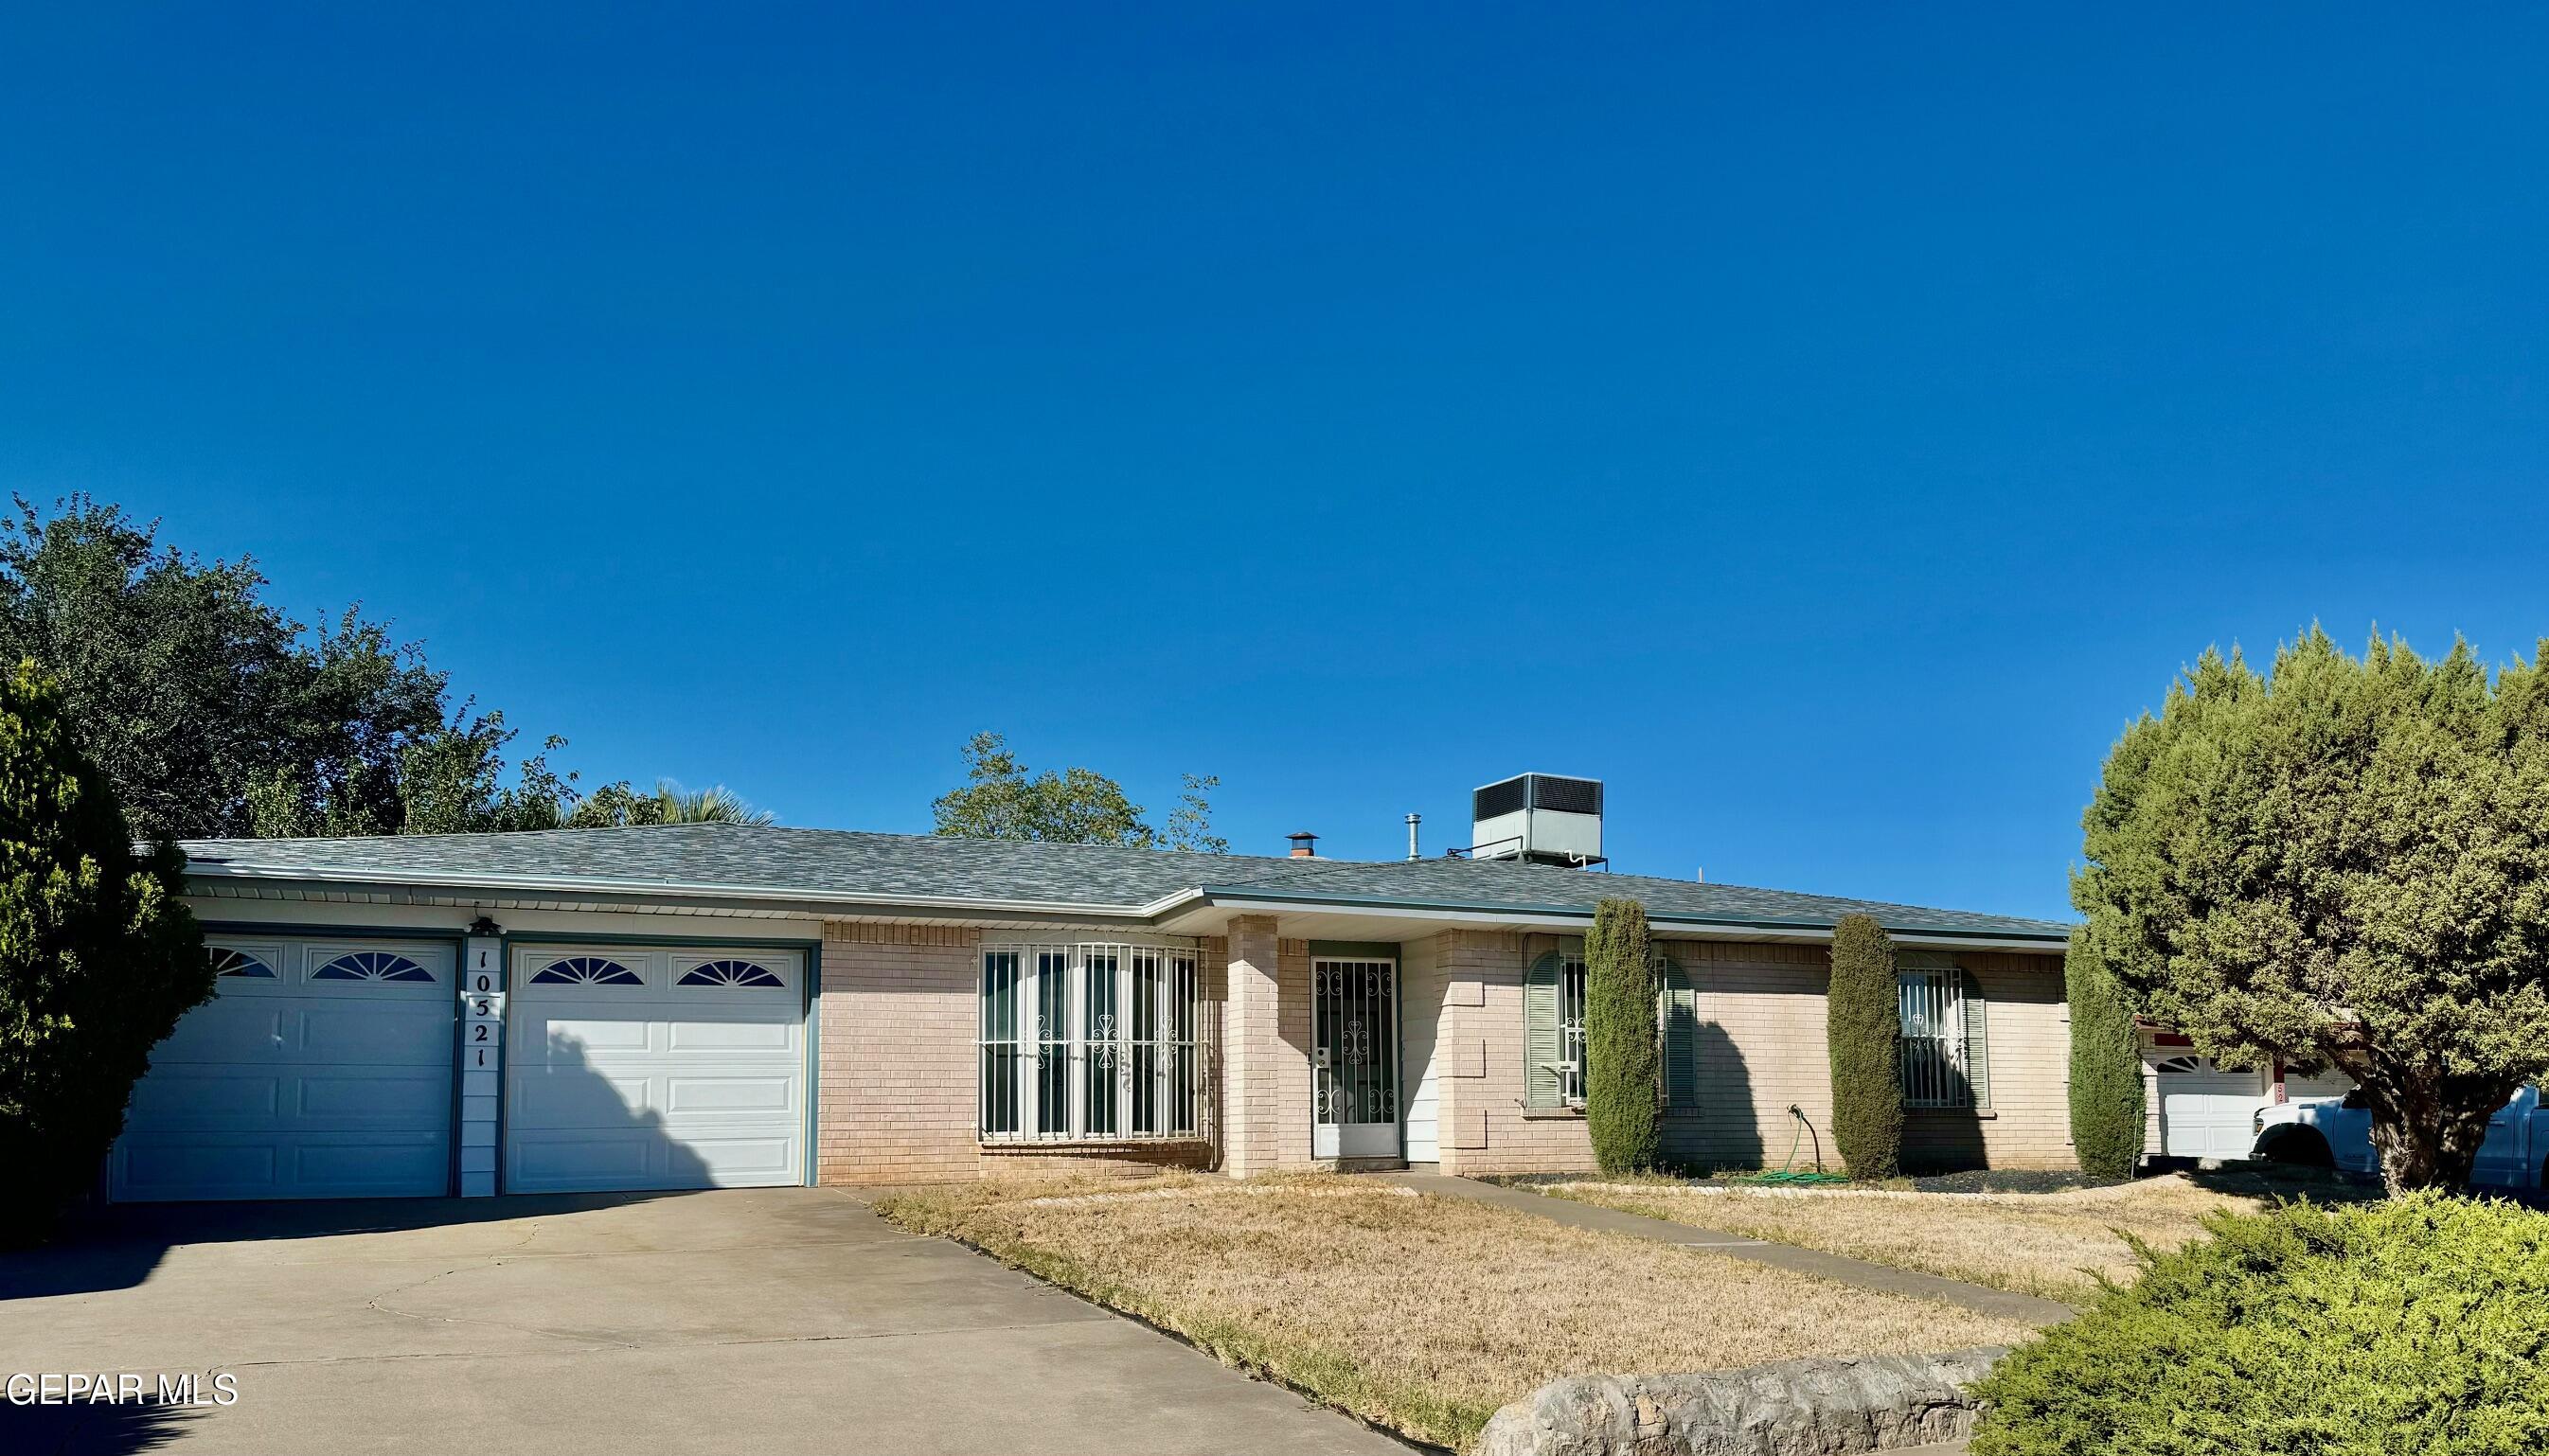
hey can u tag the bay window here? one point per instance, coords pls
(1090, 1041)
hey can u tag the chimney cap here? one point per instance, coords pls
(1302, 845)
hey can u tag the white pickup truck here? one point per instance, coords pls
(2336, 1132)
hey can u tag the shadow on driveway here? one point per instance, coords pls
(90, 1429)
(120, 1246)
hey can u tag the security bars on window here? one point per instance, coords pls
(1932, 1008)
(1090, 1040)
(1570, 1032)
(1571, 1064)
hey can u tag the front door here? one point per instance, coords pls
(1355, 1058)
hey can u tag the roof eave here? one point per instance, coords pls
(1250, 897)
(818, 905)
(628, 892)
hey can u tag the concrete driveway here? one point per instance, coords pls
(769, 1321)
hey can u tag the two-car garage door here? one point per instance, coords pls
(324, 1068)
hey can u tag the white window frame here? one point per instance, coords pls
(1929, 1010)
(1029, 1073)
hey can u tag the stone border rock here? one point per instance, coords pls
(1789, 1407)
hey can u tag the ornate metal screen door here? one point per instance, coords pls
(1355, 1058)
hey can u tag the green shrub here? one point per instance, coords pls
(1623, 1062)
(98, 958)
(1863, 1034)
(2107, 1130)
(2420, 1325)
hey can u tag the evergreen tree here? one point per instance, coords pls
(98, 957)
(1863, 1034)
(2107, 1106)
(1623, 1059)
(2342, 862)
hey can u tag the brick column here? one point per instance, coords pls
(1266, 1061)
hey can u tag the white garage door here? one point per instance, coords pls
(2205, 1110)
(2329, 1083)
(318, 1069)
(631, 1068)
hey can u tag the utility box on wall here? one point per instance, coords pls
(1541, 818)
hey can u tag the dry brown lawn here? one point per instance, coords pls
(2050, 1245)
(1417, 1313)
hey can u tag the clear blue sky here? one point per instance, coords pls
(1828, 427)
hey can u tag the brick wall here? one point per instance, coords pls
(897, 1101)
(1762, 1050)
(898, 1097)
(2030, 1032)
(1485, 1128)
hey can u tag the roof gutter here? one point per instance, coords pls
(809, 902)
(1244, 898)
(629, 893)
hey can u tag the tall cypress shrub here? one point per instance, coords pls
(98, 958)
(1863, 1032)
(2107, 1106)
(1623, 1075)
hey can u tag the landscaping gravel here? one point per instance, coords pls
(2010, 1180)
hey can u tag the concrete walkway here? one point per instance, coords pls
(1885, 1278)
(771, 1320)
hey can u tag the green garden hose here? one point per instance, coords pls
(1786, 1173)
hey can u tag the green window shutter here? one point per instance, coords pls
(1681, 1038)
(1977, 1037)
(1540, 1032)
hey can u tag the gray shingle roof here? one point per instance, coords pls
(769, 860)
(749, 857)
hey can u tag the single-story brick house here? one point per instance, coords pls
(704, 1005)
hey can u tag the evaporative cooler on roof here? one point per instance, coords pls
(1541, 818)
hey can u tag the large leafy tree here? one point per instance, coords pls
(191, 693)
(212, 714)
(1623, 1054)
(1000, 800)
(2341, 863)
(98, 954)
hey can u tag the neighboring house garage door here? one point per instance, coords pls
(2205, 1110)
(2329, 1083)
(318, 1069)
(632, 1068)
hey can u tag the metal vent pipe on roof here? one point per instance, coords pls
(1412, 821)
